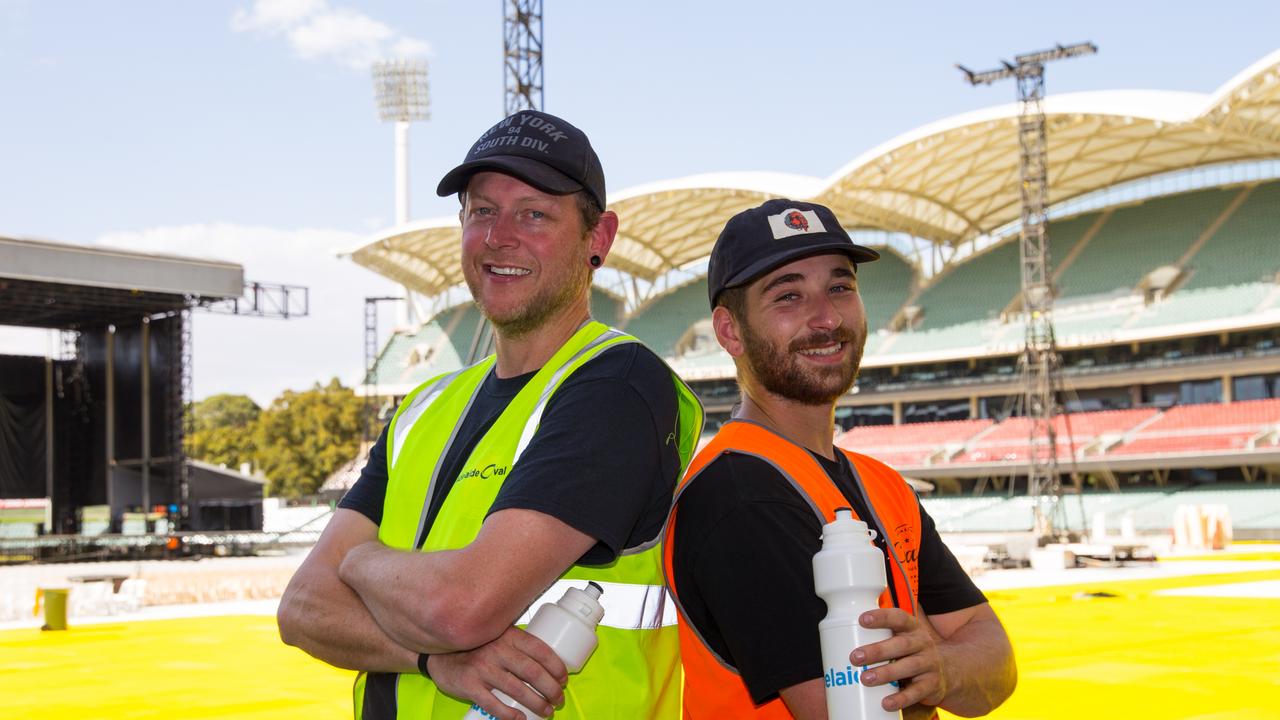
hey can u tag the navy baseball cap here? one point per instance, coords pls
(758, 240)
(538, 148)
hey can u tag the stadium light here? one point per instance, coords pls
(401, 89)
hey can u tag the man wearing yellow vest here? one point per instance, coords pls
(494, 488)
(749, 513)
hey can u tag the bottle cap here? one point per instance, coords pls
(845, 526)
(583, 603)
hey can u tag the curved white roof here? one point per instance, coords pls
(946, 182)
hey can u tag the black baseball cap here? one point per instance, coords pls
(758, 240)
(538, 148)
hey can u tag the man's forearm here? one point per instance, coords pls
(980, 668)
(325, 618)
(460, 599)
(410, 597)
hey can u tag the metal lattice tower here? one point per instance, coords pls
(371, 360)
(178, 385)
(522, 54)
(1040, 363)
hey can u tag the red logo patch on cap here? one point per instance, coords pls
(797, 221)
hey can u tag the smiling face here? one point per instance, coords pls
(802, 330)
(524, 253)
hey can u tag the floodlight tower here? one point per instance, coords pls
(1040, 362)
(401, 88)
(522, 54)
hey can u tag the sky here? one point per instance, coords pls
(245, 130)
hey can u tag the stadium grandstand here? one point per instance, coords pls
(1165, 237)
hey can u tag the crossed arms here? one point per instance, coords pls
(360, 605)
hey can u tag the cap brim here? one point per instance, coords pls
(538, 174)
(857, 253)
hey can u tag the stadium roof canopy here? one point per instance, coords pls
(53, 285)
(947, 182)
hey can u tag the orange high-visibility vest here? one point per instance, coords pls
(713, 688)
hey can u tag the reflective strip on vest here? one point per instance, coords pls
(416, 409)
(626, 606)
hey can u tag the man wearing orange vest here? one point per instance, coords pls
(747, 518)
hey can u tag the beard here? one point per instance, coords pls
(546, 303)
(783, 374)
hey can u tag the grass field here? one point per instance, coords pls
(1081, 654)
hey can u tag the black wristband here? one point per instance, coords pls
(422, 665)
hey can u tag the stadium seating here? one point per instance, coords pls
(884, 286)
(978, 289)
(1246, 249)
(963, 335)
(1194, 305)
(462, 323)
(667, 319)
(1085, 326)
(1204, 428)
(949, 513)
(1138, 239)
(1007, 514)
(910, 445)
(1076, 433)
(1188, 428)
(606, 308)
(1080, 510)
(441, 345)
(1064, 235)
(394, 365)
(444, 343)
(1251, 506)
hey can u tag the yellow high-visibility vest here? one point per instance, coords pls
(635, 671)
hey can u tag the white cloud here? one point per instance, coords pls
(317, 31)
(261, 357)
(276, 15)
(410, 47)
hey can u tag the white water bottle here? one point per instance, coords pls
(848, 573)
(568, 626)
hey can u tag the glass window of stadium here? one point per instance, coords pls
(1255, 387)
(851, 417)
(1196, 392)
(1089, 400)
(713, 420)
(1189, 392)
(935, 411)
(998, 407)
(711, 390)
(1162, 395)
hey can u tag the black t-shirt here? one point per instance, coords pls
(604, 460)
(743, 561)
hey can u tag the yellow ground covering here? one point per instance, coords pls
(219, 667)
(1135, 655)
(1141, 655)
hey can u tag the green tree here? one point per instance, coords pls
(304, 436)
(223, 430)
